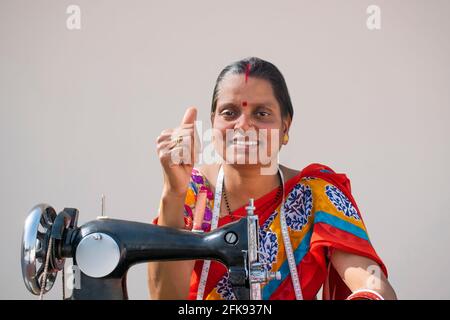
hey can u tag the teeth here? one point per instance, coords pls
(246, 143)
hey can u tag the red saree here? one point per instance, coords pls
(321, 215)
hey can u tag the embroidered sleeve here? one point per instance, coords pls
(338, 223)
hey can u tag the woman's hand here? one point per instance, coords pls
(177, 159)
(171, 279)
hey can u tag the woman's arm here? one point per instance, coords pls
(170, 279)
(359, 272)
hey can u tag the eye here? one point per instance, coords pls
(263, 114)
(228, 113)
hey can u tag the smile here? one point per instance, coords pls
(245, 143)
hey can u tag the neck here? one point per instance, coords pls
(246, 181)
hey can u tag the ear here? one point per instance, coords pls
(286, 122)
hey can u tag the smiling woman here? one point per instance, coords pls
(311, 229)
(251, 111)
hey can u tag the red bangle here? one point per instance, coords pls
(365, 294)
(187, 222)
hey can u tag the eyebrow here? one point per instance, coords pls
(257, 104)
(226, 105)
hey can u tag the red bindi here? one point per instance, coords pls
(244, 103)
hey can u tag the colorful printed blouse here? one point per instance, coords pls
(321, 214)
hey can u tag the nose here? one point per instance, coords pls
(243, 123)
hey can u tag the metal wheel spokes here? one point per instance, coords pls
(35, 241)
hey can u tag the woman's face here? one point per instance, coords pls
(248, 126)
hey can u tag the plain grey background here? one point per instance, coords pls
(80, 111)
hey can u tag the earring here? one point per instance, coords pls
(285, 139)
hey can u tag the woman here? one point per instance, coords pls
(325, 233)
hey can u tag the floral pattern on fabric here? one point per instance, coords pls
(268, 244)
(298, 207)
(341, 202)
(225, 289)
(269, 220)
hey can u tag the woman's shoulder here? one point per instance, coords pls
(322, 181)
(207, 173)
(309, 172)
(320, 173)
(289, 173)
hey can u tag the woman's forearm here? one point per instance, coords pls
(361, 273)
(171, 212)
(170, 279)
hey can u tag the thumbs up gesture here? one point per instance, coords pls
(177, 150)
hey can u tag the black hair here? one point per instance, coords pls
(258, 68)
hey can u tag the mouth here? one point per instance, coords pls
(245, 143)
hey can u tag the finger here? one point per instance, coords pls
(187, 126)
(186, 141)
(165, 131)
(180, 155)
(164, 146)
(173, 156)
(196, 147)
(163, 137)
(164, 134)
(173, 134)
(182, 132)
(189, 116)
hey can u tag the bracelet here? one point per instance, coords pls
(365, 294)
(187, 222)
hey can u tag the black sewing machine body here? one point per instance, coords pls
(104, 249)
(140, 242)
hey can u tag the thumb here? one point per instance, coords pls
(189, 116)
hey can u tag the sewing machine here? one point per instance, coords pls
(104, 249)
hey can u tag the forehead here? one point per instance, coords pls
(234, 87)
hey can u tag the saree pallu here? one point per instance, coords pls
(321, 215)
